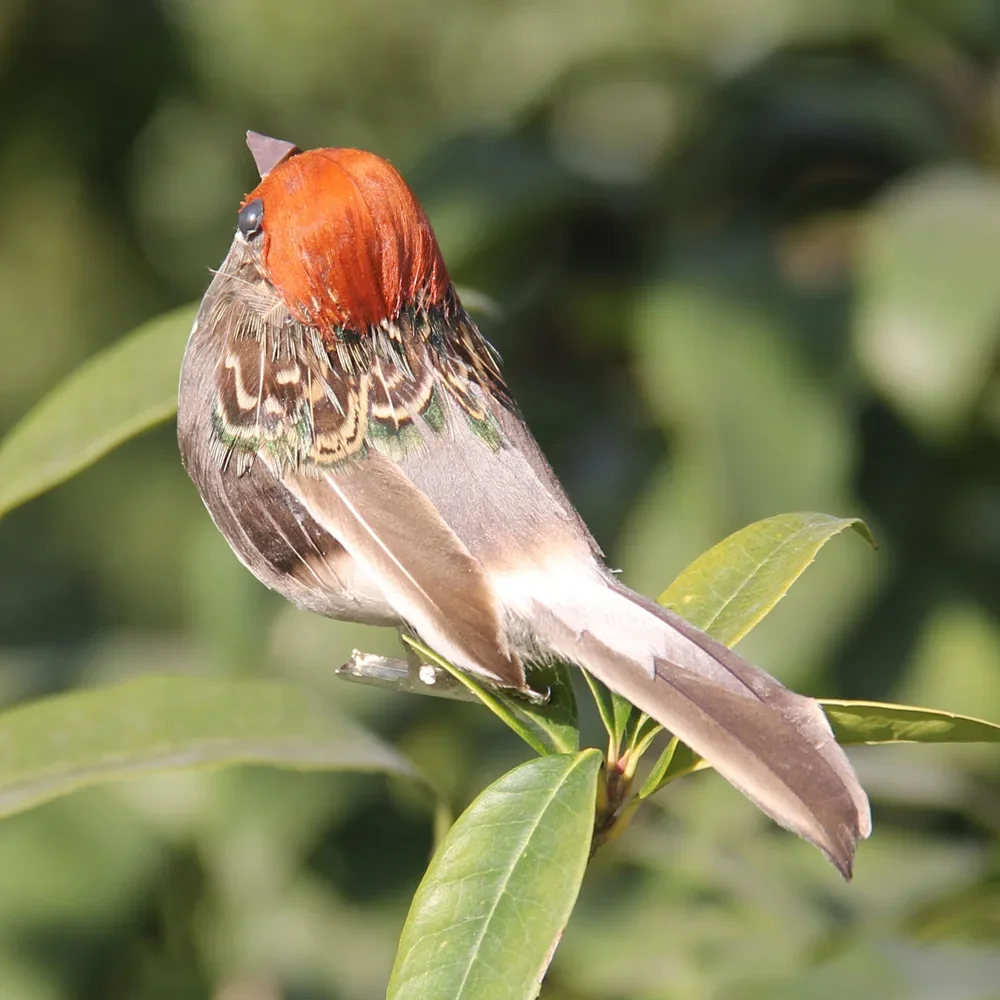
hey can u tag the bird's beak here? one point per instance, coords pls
(268, 152)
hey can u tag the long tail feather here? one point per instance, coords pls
(774, 745)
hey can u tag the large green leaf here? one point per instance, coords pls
(119, 392)
(56, 745)
(730, 588)
(549, 726)
(491, 907)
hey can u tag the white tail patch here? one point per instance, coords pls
(575, 593)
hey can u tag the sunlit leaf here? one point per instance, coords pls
(857, 722)
(118, 393)
(493, 903)
(549, 726)
(56, 745)
(731, 588)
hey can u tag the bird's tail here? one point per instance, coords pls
(774, 745)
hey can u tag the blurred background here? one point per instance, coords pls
(745, 256)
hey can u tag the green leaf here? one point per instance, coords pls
(623, 711)
(676, 760)
(640, 736)
(730, 588)
(854, 723)
(605, 706)
(119, 392)
(493, 903)
(656, 778)
(56, 745)
(860, 722)
(613, 710)
(549, 727)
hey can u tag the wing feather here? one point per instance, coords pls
(394, 532)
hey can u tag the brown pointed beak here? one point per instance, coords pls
(269, 152)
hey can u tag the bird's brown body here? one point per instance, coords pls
(352, 436)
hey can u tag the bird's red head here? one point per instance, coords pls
(345, 241)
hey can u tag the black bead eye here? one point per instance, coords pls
(250, 217)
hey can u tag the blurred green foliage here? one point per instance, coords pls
(745, 256)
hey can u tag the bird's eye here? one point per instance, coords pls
(250, 217)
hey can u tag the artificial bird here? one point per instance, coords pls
(352, 436)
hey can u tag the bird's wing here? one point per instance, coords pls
(395, 533)
(331, 424)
